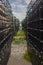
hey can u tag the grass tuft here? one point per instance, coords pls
(27, 57)
(20, 36)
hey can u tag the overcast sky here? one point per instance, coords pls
(19, 8)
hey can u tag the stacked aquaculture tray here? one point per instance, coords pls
(33, 25)
(5, 31)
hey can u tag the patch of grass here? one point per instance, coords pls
(20, 33)
(17, 41)
(20, 36)
(27, 57)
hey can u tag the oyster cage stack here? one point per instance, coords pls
(33, 25)
(6, 30)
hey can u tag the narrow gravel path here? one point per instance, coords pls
(18, 50)
(16, 57)
(13, 61)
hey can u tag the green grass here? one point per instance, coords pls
(27, 57)
(20, 33)
(20, 36)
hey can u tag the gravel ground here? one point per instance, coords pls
(16, 57)
(13, 61)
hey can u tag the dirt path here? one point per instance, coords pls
(16, 57)
(18, 50)
(13, 61)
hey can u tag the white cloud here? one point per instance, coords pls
(22, 8)
(20, 16)
(13, 5)
(20, 13)
(27, 1)
(17, 2)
